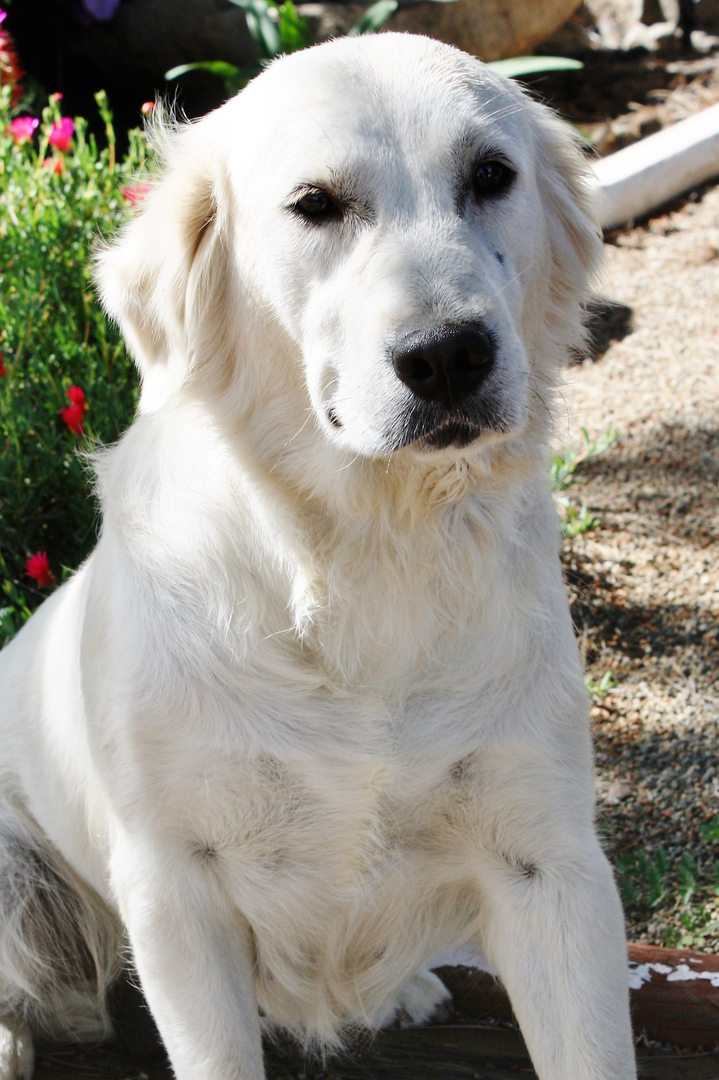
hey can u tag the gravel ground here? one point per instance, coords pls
(645, 584)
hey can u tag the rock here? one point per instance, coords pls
(491, 29)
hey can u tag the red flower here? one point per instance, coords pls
(22, 128)
(10, 70)
(135, 193)
(61, 134)
(38, 567)
(54, 163)
(3, 369)
(147, 107)
(73, 413)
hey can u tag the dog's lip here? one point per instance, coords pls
(457, 433)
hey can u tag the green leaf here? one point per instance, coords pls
(710, 831)
(600, 687)
(517, 66)
(655, 880)
(374, 18)
(294, 31)
(576, 523)
(215, 67)
(262, 26)
(687, 877)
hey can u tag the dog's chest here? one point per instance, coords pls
(346, 818)
(349, 873)
(322, 854)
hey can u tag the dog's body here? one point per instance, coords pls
(312, 714)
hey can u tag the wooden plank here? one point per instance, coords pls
(674, 1002)
(478, 1055)
(674, 995)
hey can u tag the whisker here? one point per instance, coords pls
(299, 431)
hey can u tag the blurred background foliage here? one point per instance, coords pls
(54, 204)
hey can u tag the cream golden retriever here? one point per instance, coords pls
(312, 714)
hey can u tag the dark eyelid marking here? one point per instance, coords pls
(469, 157)
(492, 153)
(345, 203)
(308, 189)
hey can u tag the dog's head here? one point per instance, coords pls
(379, 239)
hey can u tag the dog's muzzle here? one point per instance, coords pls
(445, 367)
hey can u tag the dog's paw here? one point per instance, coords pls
(423, 998)
(16, 1053)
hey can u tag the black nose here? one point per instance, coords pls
(445, 364)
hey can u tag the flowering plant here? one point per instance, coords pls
(60, 361)
(10, 70)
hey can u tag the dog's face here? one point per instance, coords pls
(412, 227)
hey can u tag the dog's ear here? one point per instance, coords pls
(574, 234)
(170, 266)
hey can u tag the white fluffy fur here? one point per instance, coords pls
(313, 712)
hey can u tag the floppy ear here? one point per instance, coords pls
(575, 237)
(169, 268)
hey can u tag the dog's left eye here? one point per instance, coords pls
(492, 178)
(316, 206)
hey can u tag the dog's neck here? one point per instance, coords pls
(392, 562)
(374, 585)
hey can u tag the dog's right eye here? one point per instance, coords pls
(316, 206)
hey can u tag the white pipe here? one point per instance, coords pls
(649, 173)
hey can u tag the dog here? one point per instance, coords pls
(312, 714)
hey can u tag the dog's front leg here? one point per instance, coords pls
(193, 953)
(552, 924)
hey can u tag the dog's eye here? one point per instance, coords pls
(316, 206)
(491, 178)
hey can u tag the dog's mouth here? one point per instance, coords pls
(454, 433)
(431, 429)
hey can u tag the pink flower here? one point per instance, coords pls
(57, 96)
(135, 193)
(73, 413)
(147, 107)
(22, 128)
(38, 567)
(54, 163)
(61, 134)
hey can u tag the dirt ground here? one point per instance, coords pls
(620, 96)
(645, 585)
